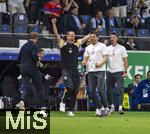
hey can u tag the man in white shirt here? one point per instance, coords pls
(117, 70)
(95, 58)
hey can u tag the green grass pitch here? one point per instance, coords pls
(88, 123)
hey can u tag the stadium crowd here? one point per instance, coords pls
(79, 15)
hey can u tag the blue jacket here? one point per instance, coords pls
(72, 25)
(107, 23)
(28, 57)
(143, 92)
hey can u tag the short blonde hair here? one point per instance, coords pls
(33, 35)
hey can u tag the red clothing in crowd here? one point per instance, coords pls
(53, 7)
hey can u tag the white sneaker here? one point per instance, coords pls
(98, 112)
(71, 114)
(42, 112)
(120, 110)
(62, 107)
(106, 112)
(112, 110)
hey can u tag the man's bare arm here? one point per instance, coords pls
(58, 38)
(85, 60)
(125, 60)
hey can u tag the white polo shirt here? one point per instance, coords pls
(95, 54)
(115, 60)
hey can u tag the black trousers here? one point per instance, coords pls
(71, 82)
(97, 81)
(115, 81)
(37, 81)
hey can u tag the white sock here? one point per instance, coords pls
(120, 107)
(102, 108)
(112, 106)
(107, 108)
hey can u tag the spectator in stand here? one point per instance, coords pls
(120, 8)
(32, 8)
(41, 3)
(3, 6)
(74, 23)
(66, 6)
(140, 7)
(132, 7)
(131, 89)
(87, 7)
(133, 21)
(98, 20)
(130, 43)
(146, 11)
(52, 9)
(16, 6)
(110, 20)
(136, 7)
(143, 92)
(103, 5)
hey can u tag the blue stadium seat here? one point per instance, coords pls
(5, 29)
(143, 33)
(103, 32)
(129, 31)
(36, 28)
(85, 18)
(20, 29)
(116, 30)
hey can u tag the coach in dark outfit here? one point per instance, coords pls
(28, 58)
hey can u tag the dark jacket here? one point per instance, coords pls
(128, 47)
(108, 24)
(28, 57)
(72, 25)
(116, 3)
